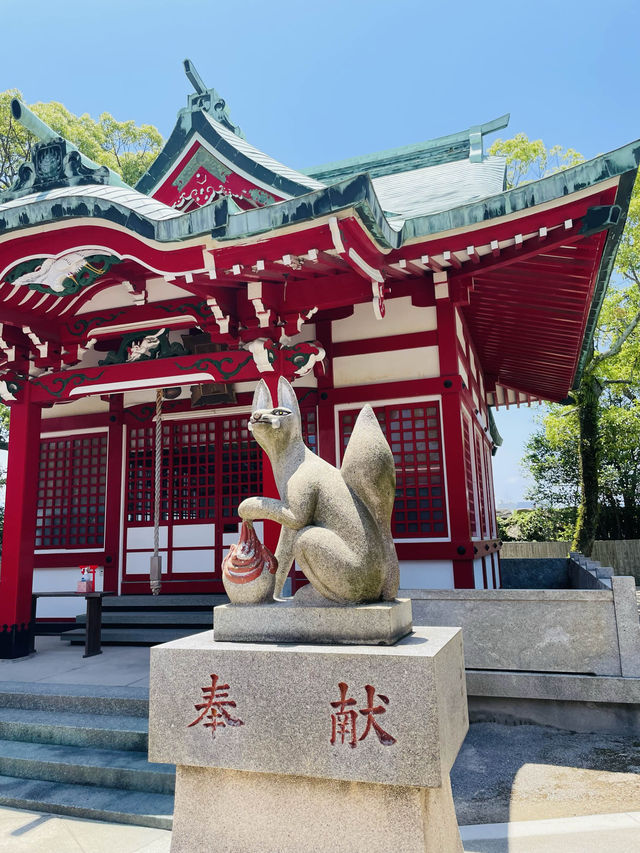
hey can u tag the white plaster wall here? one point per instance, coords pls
(460, 329)
(401, 318)
(193, 535)
(490, 584)
(139, 562)
(201, 560)
(426, 574)
(463, 372)
(478, 577)
(371, 368)
(142, 537)
(117, 296)
(52, 580)
(83, 406)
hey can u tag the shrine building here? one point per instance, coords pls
(410, 279)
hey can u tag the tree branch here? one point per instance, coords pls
(615, 348)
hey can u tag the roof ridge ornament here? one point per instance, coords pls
(208, 100)
(53, 161)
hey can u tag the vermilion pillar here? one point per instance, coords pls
(453, 439)
(114, 495)
(16, 573)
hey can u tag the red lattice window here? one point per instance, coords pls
(205, 461)
(71, 492)
(468, 469)
(193, 467)
(310, 428)
(414, 435)
(140, 475)
(241, 467)
(480, 477)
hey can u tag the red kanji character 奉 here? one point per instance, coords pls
(215, 707)
(384, 737)
(343, 722)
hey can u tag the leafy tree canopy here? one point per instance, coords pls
(529, 159)
(123, 146)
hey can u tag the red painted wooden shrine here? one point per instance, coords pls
(409, 279)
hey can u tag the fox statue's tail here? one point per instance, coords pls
(369, 471)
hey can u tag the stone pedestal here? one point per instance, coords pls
(309, 747)
(382, 623)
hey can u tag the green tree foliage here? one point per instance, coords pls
(552, 457)
(4, 427)
(123, 146)
(605, 421)
(542, 524)
(529, 159)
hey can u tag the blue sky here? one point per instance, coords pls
(314, 82)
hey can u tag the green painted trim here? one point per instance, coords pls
(357, 193)
(496, 438)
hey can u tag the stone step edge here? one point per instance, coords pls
(86, 698)
(51, 805)
(74, 719)
(133, 761)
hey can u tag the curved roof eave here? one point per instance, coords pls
(357, 192)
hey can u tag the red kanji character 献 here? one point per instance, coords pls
(343, 722)
(384, 737)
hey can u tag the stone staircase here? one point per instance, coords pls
(147, 620)
(81, 751)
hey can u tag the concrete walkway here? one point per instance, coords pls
(609, 833)
(30, 832)
(56, 662)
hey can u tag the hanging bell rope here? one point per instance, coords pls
(155, 573)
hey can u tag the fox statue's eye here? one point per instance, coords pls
(280, 412)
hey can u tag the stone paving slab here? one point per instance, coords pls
(57, 663)
(529, 772)
(593, 834)
(34, 832)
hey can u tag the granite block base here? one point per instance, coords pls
(382, 623)
(283, 747)
(233, 811)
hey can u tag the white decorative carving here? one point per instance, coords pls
(260, 354)
(52, 272)
(5, 393)
(146, 346)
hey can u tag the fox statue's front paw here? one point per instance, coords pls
(249, 509)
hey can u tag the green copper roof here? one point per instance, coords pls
(444, 149)
(166, 224)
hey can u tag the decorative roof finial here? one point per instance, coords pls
(53, 161)
(208, 100)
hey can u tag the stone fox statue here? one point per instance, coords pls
(335, 524)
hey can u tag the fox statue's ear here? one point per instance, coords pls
(287, 396)
(261, 397)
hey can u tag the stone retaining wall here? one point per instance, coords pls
(581, 631)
